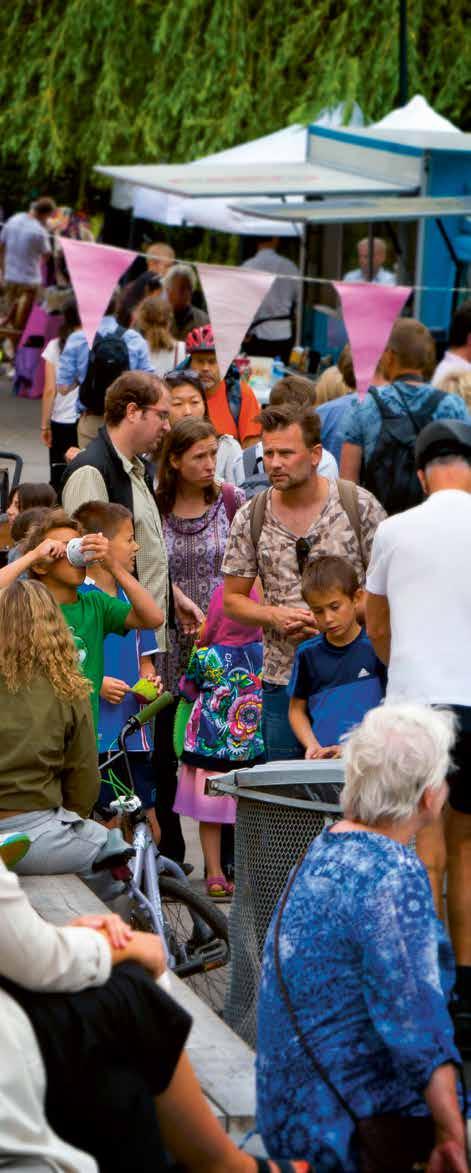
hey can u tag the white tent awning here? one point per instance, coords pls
(269, 179)
(361, 211)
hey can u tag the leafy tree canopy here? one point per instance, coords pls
(102, 81)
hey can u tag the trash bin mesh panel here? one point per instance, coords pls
(269, 840)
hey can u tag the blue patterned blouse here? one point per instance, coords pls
(369, 970)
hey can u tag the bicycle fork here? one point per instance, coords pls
(144, 863)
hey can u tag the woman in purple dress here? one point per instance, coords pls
(196, 517)
(196, 512)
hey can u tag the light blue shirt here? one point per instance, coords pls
(362, 425)
(73, 361)
(382, 277)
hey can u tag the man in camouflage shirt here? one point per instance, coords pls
(304, 517)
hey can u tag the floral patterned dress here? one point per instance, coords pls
(195, 550)
(224, 728)
(369, 971)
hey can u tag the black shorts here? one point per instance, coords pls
(460, 779)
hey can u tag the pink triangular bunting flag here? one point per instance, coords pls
(369, 312)
(95, 270)
(232, 297)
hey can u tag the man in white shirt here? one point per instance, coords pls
(381, 276)
(272, 331)
(457, 357)
(419, 620)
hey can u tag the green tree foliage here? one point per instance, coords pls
(88, 81)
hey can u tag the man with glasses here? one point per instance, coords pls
(274, 535)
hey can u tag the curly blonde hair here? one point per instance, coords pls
(35, 641)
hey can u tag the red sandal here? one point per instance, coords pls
(218, 888)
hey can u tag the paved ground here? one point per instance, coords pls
(20, 422)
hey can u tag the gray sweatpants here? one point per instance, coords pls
(62, 842)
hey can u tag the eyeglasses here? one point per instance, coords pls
(163, 415)
(302, 553)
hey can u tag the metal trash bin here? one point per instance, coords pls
(281, 807)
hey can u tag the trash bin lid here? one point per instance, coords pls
(313, 784)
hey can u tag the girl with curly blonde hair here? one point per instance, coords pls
(35, 640)
(49, 779)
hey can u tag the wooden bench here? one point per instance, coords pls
(223, 1063)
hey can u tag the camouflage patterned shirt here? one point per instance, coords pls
(276, 563)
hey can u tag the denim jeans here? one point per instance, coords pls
(279, 739)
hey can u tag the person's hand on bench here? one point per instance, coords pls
(126, 945)
(118, 932)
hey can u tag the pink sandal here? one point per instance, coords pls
(218, 888)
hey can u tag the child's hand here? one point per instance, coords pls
(312, 752)
(329, 751)
(48, 551)
(153, 679)
(113, 690)
(97, 548)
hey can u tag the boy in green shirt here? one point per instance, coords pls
(90, 616)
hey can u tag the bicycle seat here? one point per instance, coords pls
(114, 853)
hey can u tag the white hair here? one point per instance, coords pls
(392, 757)
(180, 270)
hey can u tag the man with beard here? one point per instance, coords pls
(232, 405)
(274, 536)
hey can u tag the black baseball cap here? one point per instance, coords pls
(443, 438)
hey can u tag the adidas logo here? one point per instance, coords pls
(363, 672)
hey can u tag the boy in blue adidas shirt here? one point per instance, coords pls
(336, 676)
(126, 661)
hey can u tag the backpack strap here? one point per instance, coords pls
(229, 500)
(383, 411)
(251, 462)
(348, 497)
(427, 408)
(258, 508)
(234, 393)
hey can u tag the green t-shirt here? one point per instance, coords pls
(91, 618)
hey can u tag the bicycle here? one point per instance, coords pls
(194, 933)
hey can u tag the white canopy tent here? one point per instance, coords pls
(286, 146)
(415, 115)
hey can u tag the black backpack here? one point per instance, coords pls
(390, 472)
(109, 357)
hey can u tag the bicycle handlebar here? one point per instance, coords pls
(149, 711)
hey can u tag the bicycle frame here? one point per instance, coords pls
(148, 864)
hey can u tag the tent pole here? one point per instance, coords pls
(403, 66)
(370, 251)
(302, 269)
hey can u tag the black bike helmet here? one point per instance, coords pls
(443, 438)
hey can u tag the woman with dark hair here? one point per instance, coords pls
(188, 397)
(59, 412)
(196, 514)
(28, 496)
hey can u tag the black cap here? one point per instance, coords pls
(443, 438)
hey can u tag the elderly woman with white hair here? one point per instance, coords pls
(356, 1066)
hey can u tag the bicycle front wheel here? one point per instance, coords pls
(197, 939)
